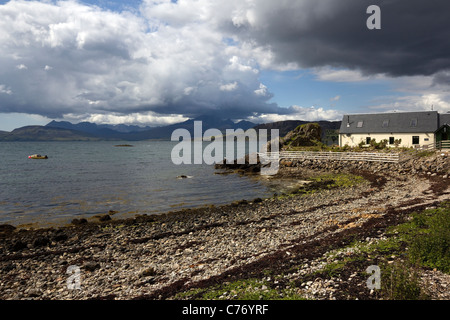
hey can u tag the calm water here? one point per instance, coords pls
(82, 179)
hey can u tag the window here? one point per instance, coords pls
(368, 140)
(385, 123)
(413, 122)
(391, 140)
(415, 140)
(359, 124)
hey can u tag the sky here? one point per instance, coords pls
(161, 62)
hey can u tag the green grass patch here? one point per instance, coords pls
(333, 269)
(421, 242)
(400, 282)
(339, 180)
(427, 235)
(325, 182)
(247, 289)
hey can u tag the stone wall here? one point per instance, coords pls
(437, 164)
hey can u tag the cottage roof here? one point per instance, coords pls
(397, 122)
(444, 118)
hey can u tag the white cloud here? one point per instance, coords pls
(22, 67)
(145, 118)
(4, 89)
(169, 59)
(313, 113)
(336, 98)
(229, 86)
(418, 93)
(172, 59)
(300, 113)
(262, 91)
(432, 101)
(342, 75)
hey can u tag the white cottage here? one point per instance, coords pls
(407, 129)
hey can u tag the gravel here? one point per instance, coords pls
(154, 257)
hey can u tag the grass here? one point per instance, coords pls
(422, 242)
(339, 180)
(325, 182)
(400, 283)
(424, 239)
(430, 245)
(408, 248)
(423, 154)
(245, 289)
(333, 269)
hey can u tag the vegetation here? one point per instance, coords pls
(421, 243)
(402, 253)
(339, 180)
(425, 153)
(400, 283)
(326, 182)
(245, 289)
(429, 238)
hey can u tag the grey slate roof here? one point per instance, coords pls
(444, 118)
(397, 122)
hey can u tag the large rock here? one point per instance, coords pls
(304, 135)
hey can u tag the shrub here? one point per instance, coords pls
(378, 145)
(401, 283)
(397, 142)
(430, 248)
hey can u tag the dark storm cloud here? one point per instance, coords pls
(413, 40)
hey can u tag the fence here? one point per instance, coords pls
(439, 145)
(444, 144)
(341, 156)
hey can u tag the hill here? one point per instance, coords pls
(41, 133)
(86, 131)
(328, 135)
(93, 129)
(135, 133)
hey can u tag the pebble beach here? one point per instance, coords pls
(163, 256)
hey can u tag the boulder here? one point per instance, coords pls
(307, 135)
(6, 228)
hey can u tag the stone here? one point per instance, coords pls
(79, 221)
(41, 242)
(60, 237)
(19, 245)
(148, 272)
(91, 266)
(5, 228)
(105, 217)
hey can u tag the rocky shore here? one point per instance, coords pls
(284, 242)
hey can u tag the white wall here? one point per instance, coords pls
(407, 141)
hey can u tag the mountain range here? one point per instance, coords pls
(86, 131)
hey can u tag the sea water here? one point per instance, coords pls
(84, 179)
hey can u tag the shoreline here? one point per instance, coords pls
(165, 256)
